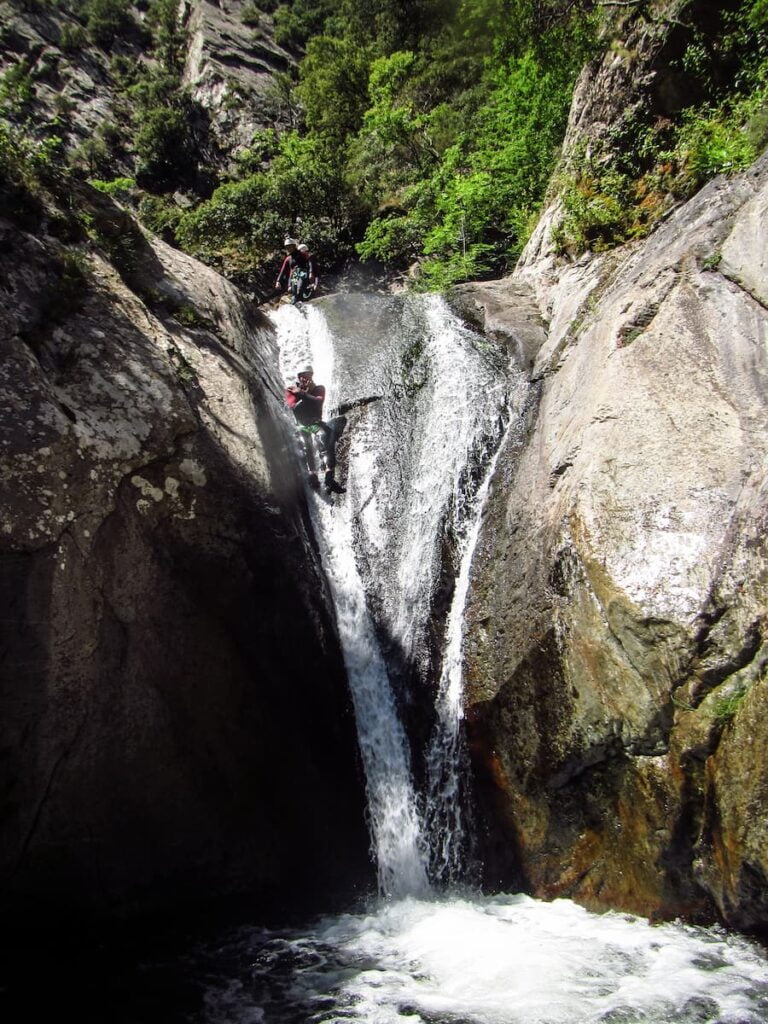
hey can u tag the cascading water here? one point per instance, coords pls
(435, 410)
(412, 477)
(395, 828)
(449, 836)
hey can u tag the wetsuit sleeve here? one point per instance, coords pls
(284, 273)
(319, 395)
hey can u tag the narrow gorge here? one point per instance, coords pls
(497, 711)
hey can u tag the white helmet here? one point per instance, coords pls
(303, 248)
(289, 241)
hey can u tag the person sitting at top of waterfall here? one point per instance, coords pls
(297, 270)
(316, 439)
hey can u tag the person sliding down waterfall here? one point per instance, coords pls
(305, 399)
(298, 271)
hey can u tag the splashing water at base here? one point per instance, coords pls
(495, 960)
(468, 960)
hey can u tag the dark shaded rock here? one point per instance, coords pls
(175, 722)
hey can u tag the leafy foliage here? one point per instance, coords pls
(413, 131)
(299, 20)
(475, 199)
(621, 191)
(242, 219)
(107, 20)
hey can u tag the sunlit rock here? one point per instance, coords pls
(620, 588)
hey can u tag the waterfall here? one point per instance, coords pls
(414, 465)
(420, 957)
(394, 822)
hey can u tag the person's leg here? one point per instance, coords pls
(326, 446)
(308, 454)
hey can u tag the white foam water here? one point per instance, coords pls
(492, 960)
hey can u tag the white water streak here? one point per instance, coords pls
(448, 838)
(395, 828)
(461, 404)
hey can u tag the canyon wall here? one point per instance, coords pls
(615, 636)
(173, 707)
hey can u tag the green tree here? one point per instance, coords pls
(165, 148)
(333, 86)
(107, 20)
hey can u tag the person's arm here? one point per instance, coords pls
(291, 397)
(284, 273)
(317, 398)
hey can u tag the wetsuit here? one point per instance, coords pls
(314, 435)
(293, 265)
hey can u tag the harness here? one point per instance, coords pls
(310, 428)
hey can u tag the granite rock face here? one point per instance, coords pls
(71, 89)
(230, 70)
(74, 87)
(174, 716)
(616, 626)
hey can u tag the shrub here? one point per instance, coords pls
(596, 212)
(73, 38)
(106, 20)
(712, 142)
(121, 189)
(30, 170)
(160, 214)
(392, 239)
(168, 34)
(250, 14)
(93, 155)
(300, 20)
(67, 294)
(164, 147)
(725, 708)
(17, 90)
